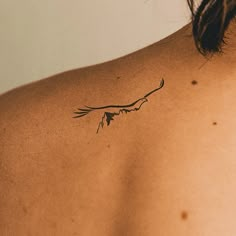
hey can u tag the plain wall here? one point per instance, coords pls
(42, 38)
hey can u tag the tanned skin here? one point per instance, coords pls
(168, 169)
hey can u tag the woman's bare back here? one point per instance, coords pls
(162, 167)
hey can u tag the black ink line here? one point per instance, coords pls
(109, 115)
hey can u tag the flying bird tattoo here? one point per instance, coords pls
(115, 109)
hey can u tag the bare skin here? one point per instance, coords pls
(166, 169)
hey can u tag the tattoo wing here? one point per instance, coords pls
(115, 110)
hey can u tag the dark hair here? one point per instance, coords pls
(209, 23)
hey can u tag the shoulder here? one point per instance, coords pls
(44, 110)
(36, 114)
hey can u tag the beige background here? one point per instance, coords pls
(42, 38)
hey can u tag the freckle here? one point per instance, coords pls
(214, 123)
(53, 224)
(194, 82)
(108, 145)
(118, 77)
(184, 215)
(25, 210)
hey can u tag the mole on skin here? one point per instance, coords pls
(214, 123)
(194, 82)
(184, 215)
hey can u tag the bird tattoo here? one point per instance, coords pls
(115, 110)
